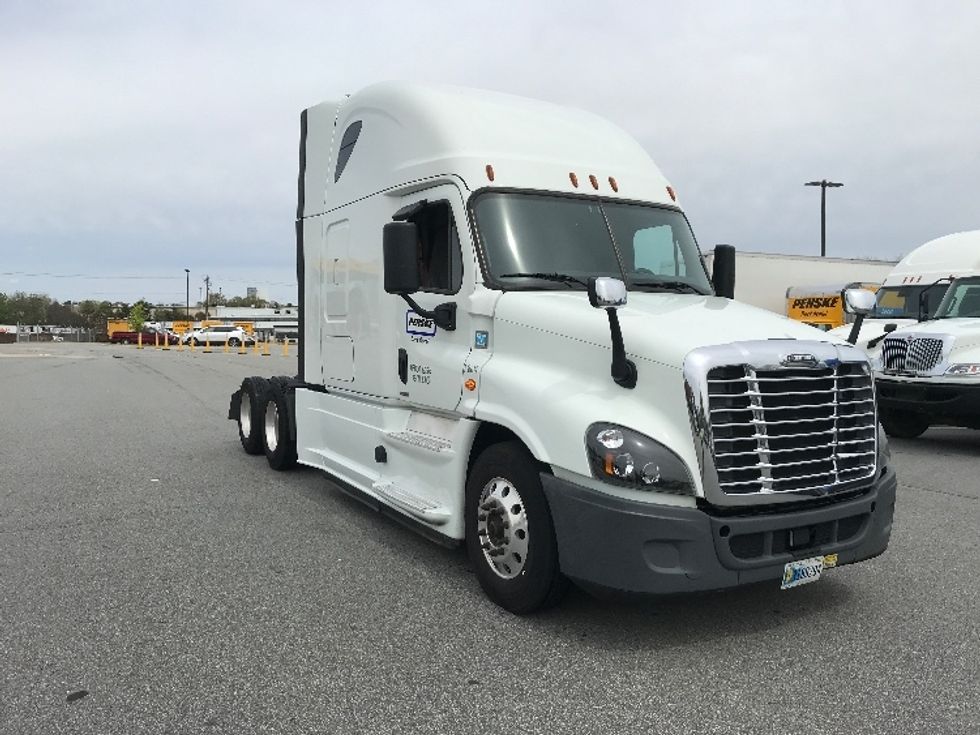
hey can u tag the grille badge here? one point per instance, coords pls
(800, 359)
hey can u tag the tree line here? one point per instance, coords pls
(34, 308)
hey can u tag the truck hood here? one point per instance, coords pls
(967, 328)
(871, 329)
(661, 327)
(964, 333)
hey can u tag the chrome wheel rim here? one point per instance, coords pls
(501, 527)
(245, 415)
(272, 426)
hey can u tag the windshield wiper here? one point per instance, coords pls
(668, 285)
(557, 277)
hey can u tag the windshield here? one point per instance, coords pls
(542, 241)
(962, 300)
(902, 302)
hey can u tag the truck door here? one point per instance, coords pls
(430, 359)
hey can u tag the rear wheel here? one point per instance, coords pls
(509, 533)
(254, 394)
(280, 447)
(903, 424)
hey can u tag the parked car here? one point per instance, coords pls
(150, 336)
(222, 334)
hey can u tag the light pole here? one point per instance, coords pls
(823, 184)
(187, 274)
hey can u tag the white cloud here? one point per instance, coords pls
(157, 135)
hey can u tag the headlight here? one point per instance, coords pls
(620, 456)
(970, 368)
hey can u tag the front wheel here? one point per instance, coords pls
(903, 424)
(509, 533)
(233, 342)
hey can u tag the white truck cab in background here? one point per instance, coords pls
(929, 373)
(914, 289)
(510, 340)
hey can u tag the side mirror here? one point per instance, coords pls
(858, 301)
(889, 328)
(401, 257)
(723, 271)
(607, 293)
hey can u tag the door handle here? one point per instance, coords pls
(403, 364)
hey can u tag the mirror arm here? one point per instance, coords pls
(856, 328)
(623, 371)
(444, 315)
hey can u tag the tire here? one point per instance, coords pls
(518, 571)
(903, 424)
(125, 341)
(255, 392)
(234, 342)
(197, 342)
(279, 446)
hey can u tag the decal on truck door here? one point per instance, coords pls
(419, 326)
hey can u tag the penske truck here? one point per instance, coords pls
(822, 306)
(510, 341)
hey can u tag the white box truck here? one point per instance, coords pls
(929, 373)
(914, 289)
(510, 340)
(764, 279)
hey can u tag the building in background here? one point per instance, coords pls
(251, 292)
(277, 323)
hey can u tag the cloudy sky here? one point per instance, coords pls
(141, 138)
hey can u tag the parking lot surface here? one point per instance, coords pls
(166, 582)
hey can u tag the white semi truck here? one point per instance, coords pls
(929, 373)
(913, 290)
(510, 340)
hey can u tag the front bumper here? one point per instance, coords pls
(955, 404)
(625, 545)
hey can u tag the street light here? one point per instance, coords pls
(187, 274)
(823, 184)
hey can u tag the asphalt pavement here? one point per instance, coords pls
(156, 579)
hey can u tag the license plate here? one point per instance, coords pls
(802, 572)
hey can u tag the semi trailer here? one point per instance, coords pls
(510, 340)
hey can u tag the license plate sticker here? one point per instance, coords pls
(803, 571)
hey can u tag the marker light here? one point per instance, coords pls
(594, 181)
(573, 178)
(613, 184)
(490, 172)
(972, 369)
(470, 384)
(673, 196)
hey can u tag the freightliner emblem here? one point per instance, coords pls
(800, 359)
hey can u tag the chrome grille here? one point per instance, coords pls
(919, 354)
(779, 430)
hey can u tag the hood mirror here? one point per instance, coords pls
(858, 301)
(610, 294)
(607, 293)
(861, 302)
